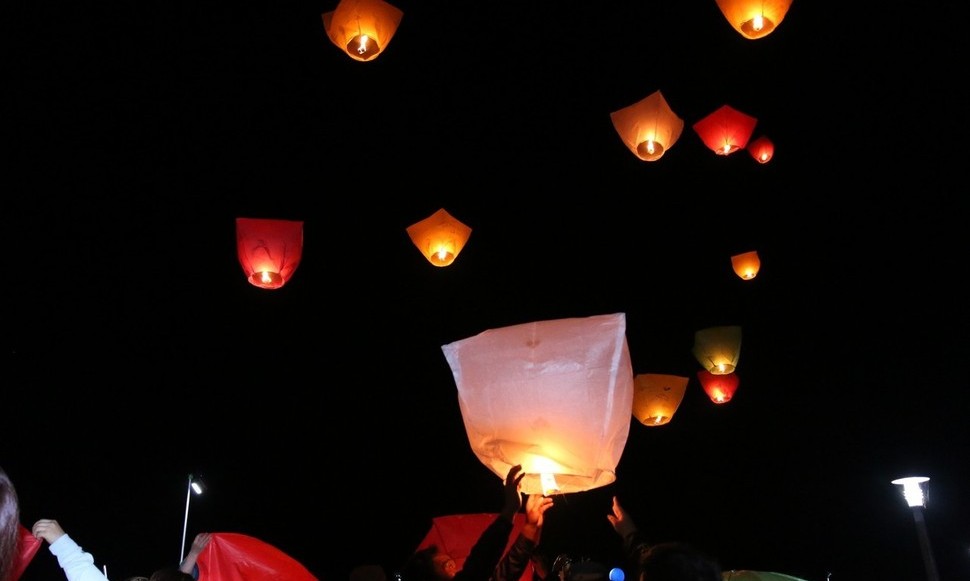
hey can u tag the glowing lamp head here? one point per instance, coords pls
(913, 490)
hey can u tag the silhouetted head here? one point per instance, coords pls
(9, 525)
(429, 564)
(678, 562)
(171, 574)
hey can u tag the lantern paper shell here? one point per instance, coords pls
(720, 388)
(269, 250)
(762, 149)
(746, 265)
(554, 396)
(362, 28)
(726, 130)
(649, 127)
(439, 237)
(718, 349)
(656, 397)
(754, 19)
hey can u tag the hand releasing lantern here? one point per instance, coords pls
(554, 396)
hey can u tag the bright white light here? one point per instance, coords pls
(912, 489)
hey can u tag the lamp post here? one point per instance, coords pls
(197, 486)
(915, 495)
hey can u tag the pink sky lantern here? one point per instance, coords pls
(269, 250)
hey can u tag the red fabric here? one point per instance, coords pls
(236, 557)
(456, 534)
(27, 547)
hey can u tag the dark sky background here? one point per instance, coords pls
(323, 415)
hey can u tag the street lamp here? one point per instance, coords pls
(197, 486)
(915, 494)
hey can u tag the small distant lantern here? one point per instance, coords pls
(656, 397)
(362, 28)
(746, 265)
(648, 127)
(439, 237)
(761, 149)
(726, 130)
(269, 250)
(718, 349)
(754, 19)
(554, 396)
(720, 388)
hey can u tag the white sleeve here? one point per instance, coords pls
(77, 565)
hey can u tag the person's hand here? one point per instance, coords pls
(47, 529)
(535, 506)
(622, 522)
(199, 542)
(513, 498)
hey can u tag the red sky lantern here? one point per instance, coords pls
(269, 250)
(761, 149)
(362, 28)
(720, 388)
(726, 130)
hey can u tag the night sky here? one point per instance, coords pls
(323, 415)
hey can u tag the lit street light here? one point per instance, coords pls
(915, 495)
(197, 486)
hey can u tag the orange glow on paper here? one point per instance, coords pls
(719, 388)
(269, 251)
(746, 265)
(362, 28)
(439, 237)
(648, 127)
(656, 397)
(726, 130)
(754, 19)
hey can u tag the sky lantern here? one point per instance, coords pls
(726, 130)
(648, 127)
(746, 265)
(439, 237)
(362, 28)
(656, 397)
(269, 250)
(554, 396)
(720, 388)
(762, 149)
(718, 349)
(754, 19)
